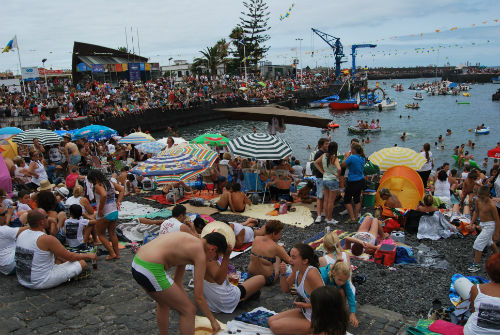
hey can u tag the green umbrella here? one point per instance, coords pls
(211, 139)
(261, 83)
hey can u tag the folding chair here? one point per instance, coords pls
(253, 184)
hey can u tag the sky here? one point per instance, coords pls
(180, 29)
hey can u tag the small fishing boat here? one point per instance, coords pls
(323, 102)
(483, 131)
(333, 125)
(412, 106)
(344, 105)
(495, 80)
(465, 94)
(418, 96)
(386, 104)
(463, 102)
(357, 130)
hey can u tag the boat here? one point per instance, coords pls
(366, 105)
(463, 102)
(333, 125)
(344, 105)
(465, 94)
(323, 102)
(495, 80)
(418, 98)
(412, 106)
(483, 131)
(357, 130)
(386, 104)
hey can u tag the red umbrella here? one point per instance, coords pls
(494, 153)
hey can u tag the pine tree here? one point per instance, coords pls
(254, 23)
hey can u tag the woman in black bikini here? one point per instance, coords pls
(266, 254)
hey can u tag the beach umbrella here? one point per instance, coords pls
(8, 132)
(65, 132)
(44, 136)
(150, 147)
(136, 138)
(199, 151)
(494, 153)
(95, 133)
(211, 139)
(397, 156)
(261, 83)
(8, 148)
(260, 146)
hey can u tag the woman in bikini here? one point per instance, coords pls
(266, 253)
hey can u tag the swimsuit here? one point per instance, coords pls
(151, 276)
(269, 279)
(220, 208)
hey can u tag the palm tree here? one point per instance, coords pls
(211, 58)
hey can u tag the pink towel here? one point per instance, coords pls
(446, 328)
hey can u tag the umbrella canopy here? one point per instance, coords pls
(95, 133)
(136, 138)
(44, 136)
(200, 151)
(211, 139)
(261, 83)
(260, 146)
(65, 132)
(8, 148)
(150, 147)
(8, 132)
(494, 153)
(397, 156)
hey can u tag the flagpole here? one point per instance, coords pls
(245, 58)
(20, 68)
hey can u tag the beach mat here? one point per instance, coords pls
(198, 210)
(300, 218)
(129, 210)
(162, 200)
(238, 251)
(136, 232)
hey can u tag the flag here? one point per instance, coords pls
(11, 45)
(241, 41)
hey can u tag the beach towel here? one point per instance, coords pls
(237, 252)
(422, 328)
(446, 328)
(162, 214)
(162, 200)
(131, 209)
(136, 232)
(198, 210)
(257, 316)
(462, 306)
(300, 218)
(242, 328)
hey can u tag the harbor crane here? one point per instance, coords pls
(338, 49)
(353, 53)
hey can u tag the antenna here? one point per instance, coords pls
(138, 45)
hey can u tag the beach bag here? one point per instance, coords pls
(391, 225)
(148, 184)
(386, 254)
(255, 198)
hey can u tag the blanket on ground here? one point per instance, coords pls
(136, 232)
(300, 218)
(131, 209)
(162, 200)
(238, 251)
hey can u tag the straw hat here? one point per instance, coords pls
(45, 185)
(220, 227)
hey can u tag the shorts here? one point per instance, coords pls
(74, 160)
(353, 191)
(331, 185)
(151, 276)
(243, 291)
(220, 208)
(113, 216)
(319, 188)
(485, 238)
(61, 273)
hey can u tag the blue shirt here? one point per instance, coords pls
(356, 165)
(349, 294)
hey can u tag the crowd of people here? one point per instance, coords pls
(65, 205)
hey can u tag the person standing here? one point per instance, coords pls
(426, 169)
(322, 148)
(355, 181)
(328, 164)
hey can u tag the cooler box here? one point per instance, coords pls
(369, 198)
(386, 254)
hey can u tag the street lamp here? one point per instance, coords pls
(170, 72)
(45, 73)
(300, 56)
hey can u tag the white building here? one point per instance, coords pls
(182, 68)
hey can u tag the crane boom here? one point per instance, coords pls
(353, 53)
(338, 49)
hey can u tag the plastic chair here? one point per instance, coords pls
(253, 184)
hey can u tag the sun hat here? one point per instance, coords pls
(220, 227)
(45, 185)
(63, 191)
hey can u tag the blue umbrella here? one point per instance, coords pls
(95, 133)
(65, 132)
(151, 147)
(9, 132)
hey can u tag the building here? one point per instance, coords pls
(94, 62)
(182, 68)
(270, 71)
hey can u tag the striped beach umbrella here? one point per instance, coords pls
(397, 156)
(44, 136)
(150, 147)
(260, 146)
(201, 151)
(211, 139)
(95, 133)
(136, 138)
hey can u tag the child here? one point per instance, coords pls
(304, 194)
(337, 275)
(490, 225)
(23, 199)
(77, 229)
(333, 250)
(131, 185)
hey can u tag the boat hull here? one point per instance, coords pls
(343, 105)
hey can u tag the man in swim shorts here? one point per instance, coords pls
(177, 249)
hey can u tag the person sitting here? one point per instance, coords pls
(266, 254)
(304, 194)
(38, 256)
(178, 222)
(175, 191)
(391, 201)
(244, 232)
(8, 237)
(337, 275)
(223, 203)
(47, 201)
(131, 185)
(365, 240)
(238, 200)
(77, 229)
(333, 250)
(485, 302)
(307, 278)
(279, 187)
(428, 205)
(329, 315)
(222, 296)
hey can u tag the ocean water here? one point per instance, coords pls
(436, 114)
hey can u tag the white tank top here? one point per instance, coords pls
(249, 234)
(33, 265)
(442, 188)
(486, 318)
(110, 205)
(221, 298)
(302, 292)
(40, 171)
